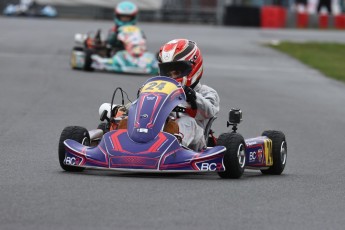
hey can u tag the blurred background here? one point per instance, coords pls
(252, 13)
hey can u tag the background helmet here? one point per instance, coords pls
(127, 9)
(181, 59)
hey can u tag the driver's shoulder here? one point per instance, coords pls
(201, 88)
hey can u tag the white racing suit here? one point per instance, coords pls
(192, 125)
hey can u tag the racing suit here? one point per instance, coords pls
(192, 124)
(113, 41)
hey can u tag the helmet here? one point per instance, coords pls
(181, 59)
(127, 10)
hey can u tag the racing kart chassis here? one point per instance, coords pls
(144, 147)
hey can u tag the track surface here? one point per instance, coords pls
(40, 95)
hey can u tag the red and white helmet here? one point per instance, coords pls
(181, 59)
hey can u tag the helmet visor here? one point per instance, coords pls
(176, 69)
(124, 17)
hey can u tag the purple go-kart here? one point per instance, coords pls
(144, 145)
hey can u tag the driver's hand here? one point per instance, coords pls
(190, 96)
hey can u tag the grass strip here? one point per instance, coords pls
(328, 58)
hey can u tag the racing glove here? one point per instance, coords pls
(190, 96)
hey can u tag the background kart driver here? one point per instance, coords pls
(125, 14)
(181, 60)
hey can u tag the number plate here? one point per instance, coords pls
(159, 86)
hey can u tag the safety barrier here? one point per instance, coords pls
(322, 21)
(204, 12)
(242, 16)
(273, 17)
(339, 21)
(302, 20)
(279, 17)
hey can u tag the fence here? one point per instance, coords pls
(252, 13)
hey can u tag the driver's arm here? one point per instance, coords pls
(112, 37)
(207, 101)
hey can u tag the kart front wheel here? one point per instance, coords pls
(75, 133)
(279, 152)
(234, 158)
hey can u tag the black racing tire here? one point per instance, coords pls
(210, 142)
(104, 127)
(78, 134)
(234, 157)
(88, 60)
(279, 152)
(73, 59)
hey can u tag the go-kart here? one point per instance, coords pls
(140, 139)
(91, 53)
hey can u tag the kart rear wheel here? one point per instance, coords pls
(75, 133)
(279, 152)
(88, 60)
(234, 157)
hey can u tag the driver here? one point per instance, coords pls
(181, 60)
(125, 13)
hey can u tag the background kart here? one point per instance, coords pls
(144, 144)
(92, 54)
(35, 10)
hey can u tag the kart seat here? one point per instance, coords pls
(170, 126)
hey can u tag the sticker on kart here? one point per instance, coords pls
(159, 87)
(130, 29)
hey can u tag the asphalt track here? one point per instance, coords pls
(40, 95)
